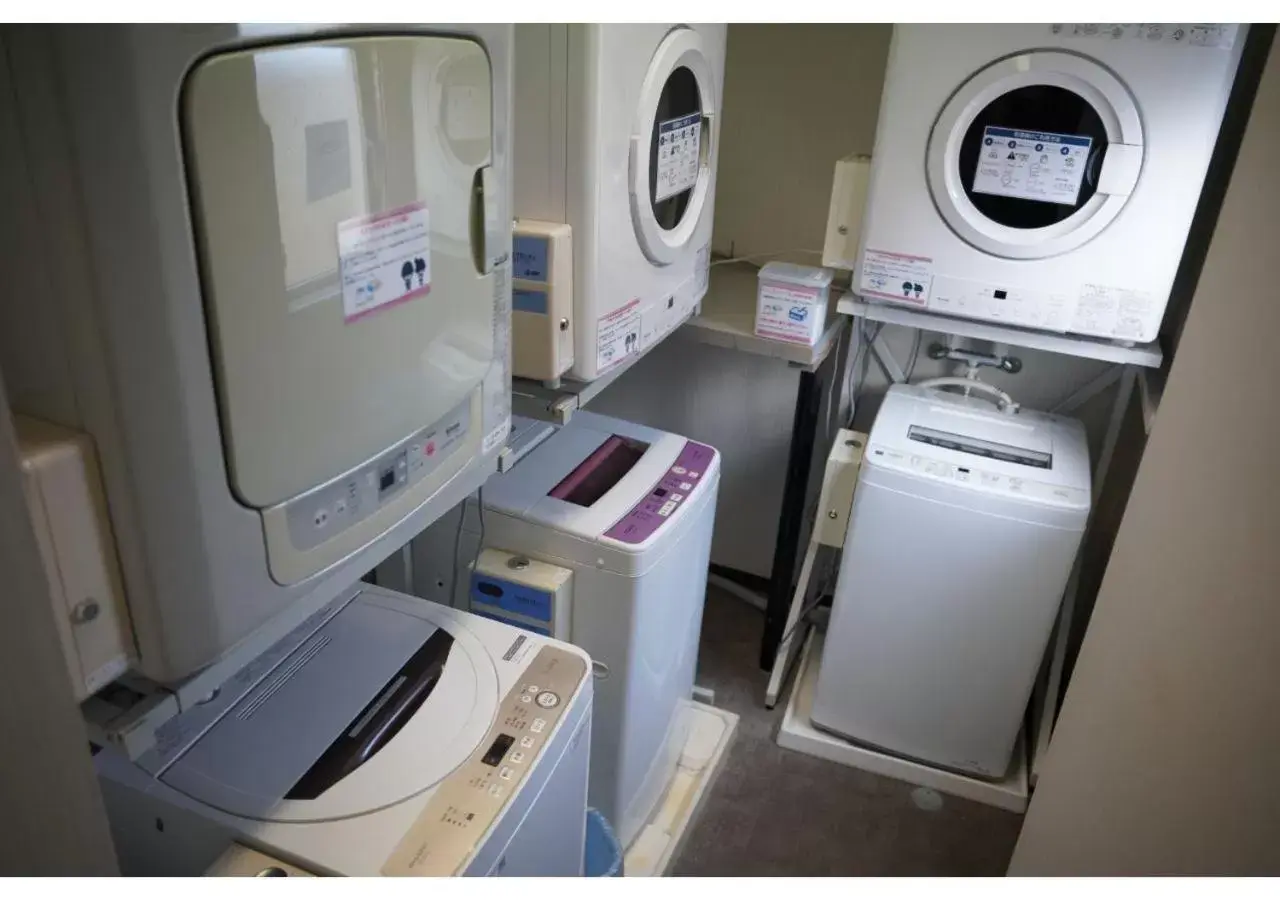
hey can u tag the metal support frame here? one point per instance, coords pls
(1045, 698)
(1127, 377)
(792, 517)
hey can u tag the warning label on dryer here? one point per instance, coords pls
(384, 259)
(618, 335)
(896, 276)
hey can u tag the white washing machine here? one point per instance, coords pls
(964, 528)
(629, 511)
(1043, 175)
(384, 736)
(616, 134)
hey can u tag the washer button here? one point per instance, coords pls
(526, 741)
(679, 470)
(538, 725)
(548, 700)
(525, 698)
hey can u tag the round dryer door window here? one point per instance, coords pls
(1035, 155)
(671, 147)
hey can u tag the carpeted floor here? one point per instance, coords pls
(778, 812)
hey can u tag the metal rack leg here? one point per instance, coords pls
(791, 519)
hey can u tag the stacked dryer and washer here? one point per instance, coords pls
(616, 134)
(286, 336)
(1041, 176)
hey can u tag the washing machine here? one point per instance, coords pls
(1045, 175)
(616, 134)
(384, 736)
(614, 519)
(965, 524)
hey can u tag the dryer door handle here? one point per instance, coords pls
(1120, 169)
(486, 230)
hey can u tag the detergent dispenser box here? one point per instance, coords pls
(791, 302)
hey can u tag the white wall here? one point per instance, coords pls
(1164, 759)
(796, 99)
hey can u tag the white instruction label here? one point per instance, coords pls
(1031, 165)
(896, 276)
(618, 336)
(1168, 34)
(702, 270)
(678, 145)
(384, 259)
(1113, 311)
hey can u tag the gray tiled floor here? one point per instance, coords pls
(777, 812)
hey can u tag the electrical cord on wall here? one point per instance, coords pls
(750, 256)
(457, 544)
(915, 355)
(852, 387)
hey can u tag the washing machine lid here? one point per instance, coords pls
(379, 704)
(1035, 154)
(917, 427)
(672, 146)
(595, 471)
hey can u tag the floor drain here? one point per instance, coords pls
(927, 799)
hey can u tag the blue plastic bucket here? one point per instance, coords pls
(602, 857)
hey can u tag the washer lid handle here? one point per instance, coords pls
(1120, 169)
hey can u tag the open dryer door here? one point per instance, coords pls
(672, 146)
(1035, 154)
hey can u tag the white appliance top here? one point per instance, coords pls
(381, 702)
(606, 480)
(967, 441)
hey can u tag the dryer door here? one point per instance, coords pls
(672, 148)
(1035, 155)
(342, 247)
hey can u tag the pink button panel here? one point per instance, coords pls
(666, 497)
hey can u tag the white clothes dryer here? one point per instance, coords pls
(616, 134)
(1043, 175)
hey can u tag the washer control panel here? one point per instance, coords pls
(661, 503)
(977, 478)
(467, 803)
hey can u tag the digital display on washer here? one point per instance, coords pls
(1032, 165)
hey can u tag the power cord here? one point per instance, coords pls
(852, 387)
(457, 544)
(915, 355)
(804, 614)
(751, 256)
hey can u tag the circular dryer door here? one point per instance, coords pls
(671, 147)
(1035, 154)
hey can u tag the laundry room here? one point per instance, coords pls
(660, 449)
